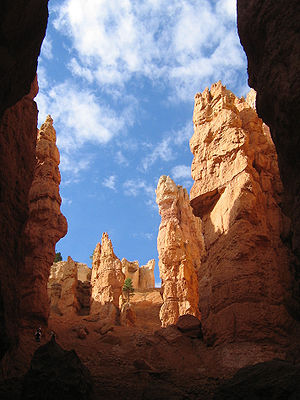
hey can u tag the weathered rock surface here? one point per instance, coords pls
(275, 379)
(107, 281)
(69, 287)
(131, 270)
(146, 279)
(245, 284)
(57, 373)
(62, 287)
(180, 248)
(17, 161)
(269, 33)
(45, 226)
(142, 277)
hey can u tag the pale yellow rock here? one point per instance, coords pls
(131, 270)
(146, 278)
(107, 281)
(62, 285)
(180, 248)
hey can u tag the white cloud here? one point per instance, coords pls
(46, 50)
(186, 43)
(81, 115)
(181, 171)
(110, 182)
(162, 151)
(121, 159)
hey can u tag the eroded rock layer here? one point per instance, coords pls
(107, 281)
(45, 226)
(269, 33)
(18, 134)
(180, 248)
(245, 284)
(142, 277)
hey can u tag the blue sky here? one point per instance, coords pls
(119, 79)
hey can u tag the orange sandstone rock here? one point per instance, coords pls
(45, 226)
(131, 270)
(244, 281)
(180, 248)
(107, 281)
(146, 279)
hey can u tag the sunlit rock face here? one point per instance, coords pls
(180, 248)
(142, 277)
(18, 134)
(245, 284)
(45, 226)
(107, 281)
(146, 278)
(269, 33)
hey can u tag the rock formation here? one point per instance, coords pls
(45, 226)
(107, 281)
(180, 248)
(245, 284)
(142, 277)
(269, 33)
(131, 270)
(17, 161)
(69, 287)
(146, 279)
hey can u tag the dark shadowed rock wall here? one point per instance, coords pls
(270, 34)
(22, 29)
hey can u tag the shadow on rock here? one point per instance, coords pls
(56, 373)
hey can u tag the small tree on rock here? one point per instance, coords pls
(128, 289)
(57, 257)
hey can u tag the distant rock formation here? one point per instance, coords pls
(245, 284)
(180, 248)
(146, 279)
(142, 277)
(45, 226)
(107, 281)
(69, 287)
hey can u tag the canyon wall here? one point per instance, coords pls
(45, 226)
(269, 33)
(22, 32)
(107, 281)
(180, 248)
(245, 285)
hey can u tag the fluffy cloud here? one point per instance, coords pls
(186, 44)
(110, 182)
(82, 116)
(181, 171)
(162, 151)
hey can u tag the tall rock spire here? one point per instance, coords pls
(107, 281)
(180, 248)
(45, 226)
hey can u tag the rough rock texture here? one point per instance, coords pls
(128, 316)
(146, 278)
(269, 33)
(275, 380)
(57, 373)
(62, 287)
(45, 226)
(131, 270)
(17, 161)
(107, 281)
(180, 248)
(142, 277)
(69, 287)
(245, 284)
